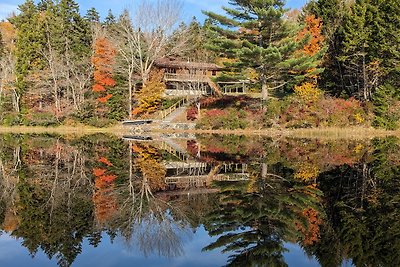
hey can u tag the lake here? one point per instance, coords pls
(206, 200)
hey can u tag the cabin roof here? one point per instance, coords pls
(178, 64)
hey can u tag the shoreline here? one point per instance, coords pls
(119, 130)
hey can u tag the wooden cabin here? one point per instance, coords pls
(183, 78)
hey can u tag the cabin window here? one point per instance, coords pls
(214, 73)
(171, 70)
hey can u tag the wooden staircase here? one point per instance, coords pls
(184, 102)
(214, 87)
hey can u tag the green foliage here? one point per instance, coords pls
(387, 107)
(256, 35)
(229, 119)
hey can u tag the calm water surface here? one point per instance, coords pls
(201, 201)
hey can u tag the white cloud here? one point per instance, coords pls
(6, 10)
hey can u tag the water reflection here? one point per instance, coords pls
(338, 201)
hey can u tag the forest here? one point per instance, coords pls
(334, 63)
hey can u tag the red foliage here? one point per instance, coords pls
(192, 147)
(192, 113)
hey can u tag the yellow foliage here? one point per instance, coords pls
(8, 34)
(252, 74)
(358, 148)
(149, 163)
(149, 97)
(308, 92)
(359, 118)
(306, 173)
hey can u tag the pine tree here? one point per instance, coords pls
(110, 19)
(92, 15)
(255, 34)
(28, 45)
(355, 56)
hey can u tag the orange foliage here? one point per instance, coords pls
(149, 162)
(8, 34)
(312, 232)
(104, 99)
(104, 199)
(98, 88)
(103, 59)
(108, 178)
(105, 161)
(99, 172)
(313, 28)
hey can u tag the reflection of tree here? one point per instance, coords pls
(363, 208)
(255, 223)
(54, 203)
(142, 216)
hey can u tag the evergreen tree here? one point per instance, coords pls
(355, 57)
(110, 19)
(28, 44)
(92, 15)
(255, 34)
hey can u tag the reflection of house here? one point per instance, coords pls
(200, 174)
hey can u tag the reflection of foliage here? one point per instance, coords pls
(45, 205)
(50, 185)
(103, 197)
(256, 224)
(363, 207)
(306, 173)
(149, 163)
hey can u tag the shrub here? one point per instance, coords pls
(308, 92)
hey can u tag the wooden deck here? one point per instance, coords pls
(195, 84)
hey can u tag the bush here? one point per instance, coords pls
(293, 112)
(229, 119)
(11, 119)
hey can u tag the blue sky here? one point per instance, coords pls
(191, 7)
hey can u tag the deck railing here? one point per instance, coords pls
(185, 77)
(164, 113)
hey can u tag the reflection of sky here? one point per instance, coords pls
(117, 254)
(297, 257)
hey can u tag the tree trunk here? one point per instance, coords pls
(264, 88)
(130, 96)
(264, 91)
(15, 99)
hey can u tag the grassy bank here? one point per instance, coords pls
(354, 133)
(79, 130)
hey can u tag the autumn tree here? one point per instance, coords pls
(145, 37)
(150, 96)
(103, 61)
